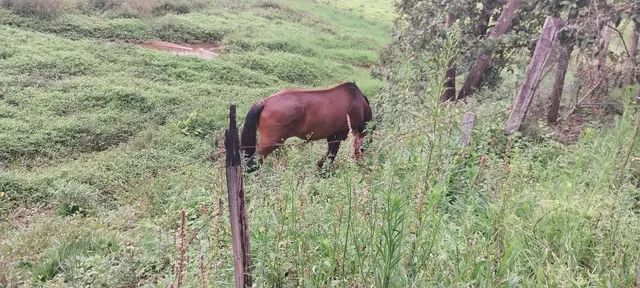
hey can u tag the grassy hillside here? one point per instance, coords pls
(91, 123)
(103, 143)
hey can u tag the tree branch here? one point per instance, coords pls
(624, 44)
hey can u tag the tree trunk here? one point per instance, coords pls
(482, 63)
(565, 48)
(631, 62)
(603, 51)
(468, 121)
(544, 47)
(450, 81)
(558, 83)
(480, 27)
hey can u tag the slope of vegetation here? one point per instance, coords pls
(91, 124)
(103, 143)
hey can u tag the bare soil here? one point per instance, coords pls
(204, 50)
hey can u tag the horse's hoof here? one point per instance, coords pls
(251, 170)
(324, 173)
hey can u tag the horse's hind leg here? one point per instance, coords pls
(267, 146)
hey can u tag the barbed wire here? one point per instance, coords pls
(214, 154)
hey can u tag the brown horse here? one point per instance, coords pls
(309, 115)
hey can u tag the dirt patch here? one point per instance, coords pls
(22, 217)
(365, 66)
(205, 50)
(568, 131)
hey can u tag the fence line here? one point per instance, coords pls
(215, 154)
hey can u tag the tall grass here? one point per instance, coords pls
(96, 135)
(100, 142)
(539, 224)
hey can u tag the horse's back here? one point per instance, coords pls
(282, 108)
(314, 114)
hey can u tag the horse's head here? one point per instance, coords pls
(369, 126)
(361, 142)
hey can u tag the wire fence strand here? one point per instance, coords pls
(215, 154)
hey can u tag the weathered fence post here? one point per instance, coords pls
(468, 121)
(533, 74)
(238, 218)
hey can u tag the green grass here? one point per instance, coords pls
(88, 124)
(102, 146)
(372, 10)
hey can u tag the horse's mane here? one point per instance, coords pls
(355, 89)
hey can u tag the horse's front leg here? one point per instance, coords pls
(333, 150)
(333, 144)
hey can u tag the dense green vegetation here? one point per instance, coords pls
(103, 143)
(88, 124)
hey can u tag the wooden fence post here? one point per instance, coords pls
(468, 121)
(238, 218)
(543, 50)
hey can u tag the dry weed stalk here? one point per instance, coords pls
(217, 216)
(217, 243)
(505, 160)
(482, 167)
(202, 271)
(355, 139)
(182, 249)
(204, 212)
(350, 136)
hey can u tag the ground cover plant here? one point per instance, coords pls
(110, 159)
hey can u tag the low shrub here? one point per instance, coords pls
(287, 67)
(269, 4)
(16, 190)
(74, 198)
(42, 8)
(141, 8)
(179, 29)
(63, 255)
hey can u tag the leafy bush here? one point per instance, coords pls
(138, 7)
(181, 30)
(23, 191)
(42, 8)
(180, 6)
(75, 198)
(287, 67)
(63, 256)
(143, 8)
(270, 4)
(199, 125)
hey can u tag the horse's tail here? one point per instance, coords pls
(249, 131)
